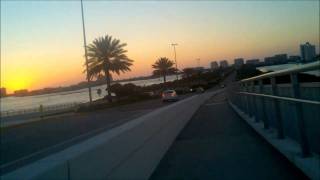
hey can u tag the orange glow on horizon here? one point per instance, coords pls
(18, 82)
(53, 55)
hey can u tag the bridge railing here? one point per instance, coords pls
(287, 101)
(41, 110)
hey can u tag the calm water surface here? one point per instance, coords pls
(77, 96)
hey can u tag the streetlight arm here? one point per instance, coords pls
(175, 58)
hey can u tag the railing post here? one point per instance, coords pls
(248, 100)
(277, 108)
(254, 104)
(41, 111)
(242, 98)
(300, 121)
(263, 106)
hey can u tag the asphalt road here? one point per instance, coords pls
(218, 144)
(25, 143)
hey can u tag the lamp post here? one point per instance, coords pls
(85, 52)
(198, 62)
(175, 57)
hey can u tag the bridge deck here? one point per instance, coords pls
(217, 144)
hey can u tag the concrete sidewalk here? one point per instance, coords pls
(217, 144)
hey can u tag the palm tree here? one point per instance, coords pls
(163, 67)
(106, 55)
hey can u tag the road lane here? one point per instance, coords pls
(23, 144)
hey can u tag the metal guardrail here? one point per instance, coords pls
(249, 95)
(40, 110)
(302, 68)
(282, 98)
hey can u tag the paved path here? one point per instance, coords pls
(217, 144)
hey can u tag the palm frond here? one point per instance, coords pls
(106, 54)
(163, 66)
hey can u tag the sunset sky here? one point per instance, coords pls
(42, 43)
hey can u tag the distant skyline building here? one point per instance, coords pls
(238, 62)
(308, 52)
(281, 58)
(294, 59)
(276, 59)
(214, 65)
(269, 60)
(253, 61)
(224, 63)
(3, 92)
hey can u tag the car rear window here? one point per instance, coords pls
(168, 92)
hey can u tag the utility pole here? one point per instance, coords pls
(198, 62)
(85, 52)
(175, 57)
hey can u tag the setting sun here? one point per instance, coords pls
(18, 82)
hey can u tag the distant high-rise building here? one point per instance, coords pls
(238, 62)
(3, 92)
(308, 52)
(214, 65)
(253, 61)
(223, 63)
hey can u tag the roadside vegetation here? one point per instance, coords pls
(107, 56)
(163, 67)
(130, 93)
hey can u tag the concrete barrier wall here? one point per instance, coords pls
(130, 151)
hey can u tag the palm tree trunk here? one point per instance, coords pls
(164, 78)
(108, 78)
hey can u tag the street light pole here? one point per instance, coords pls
(85, 52)
(198, 62)
(175, 58)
